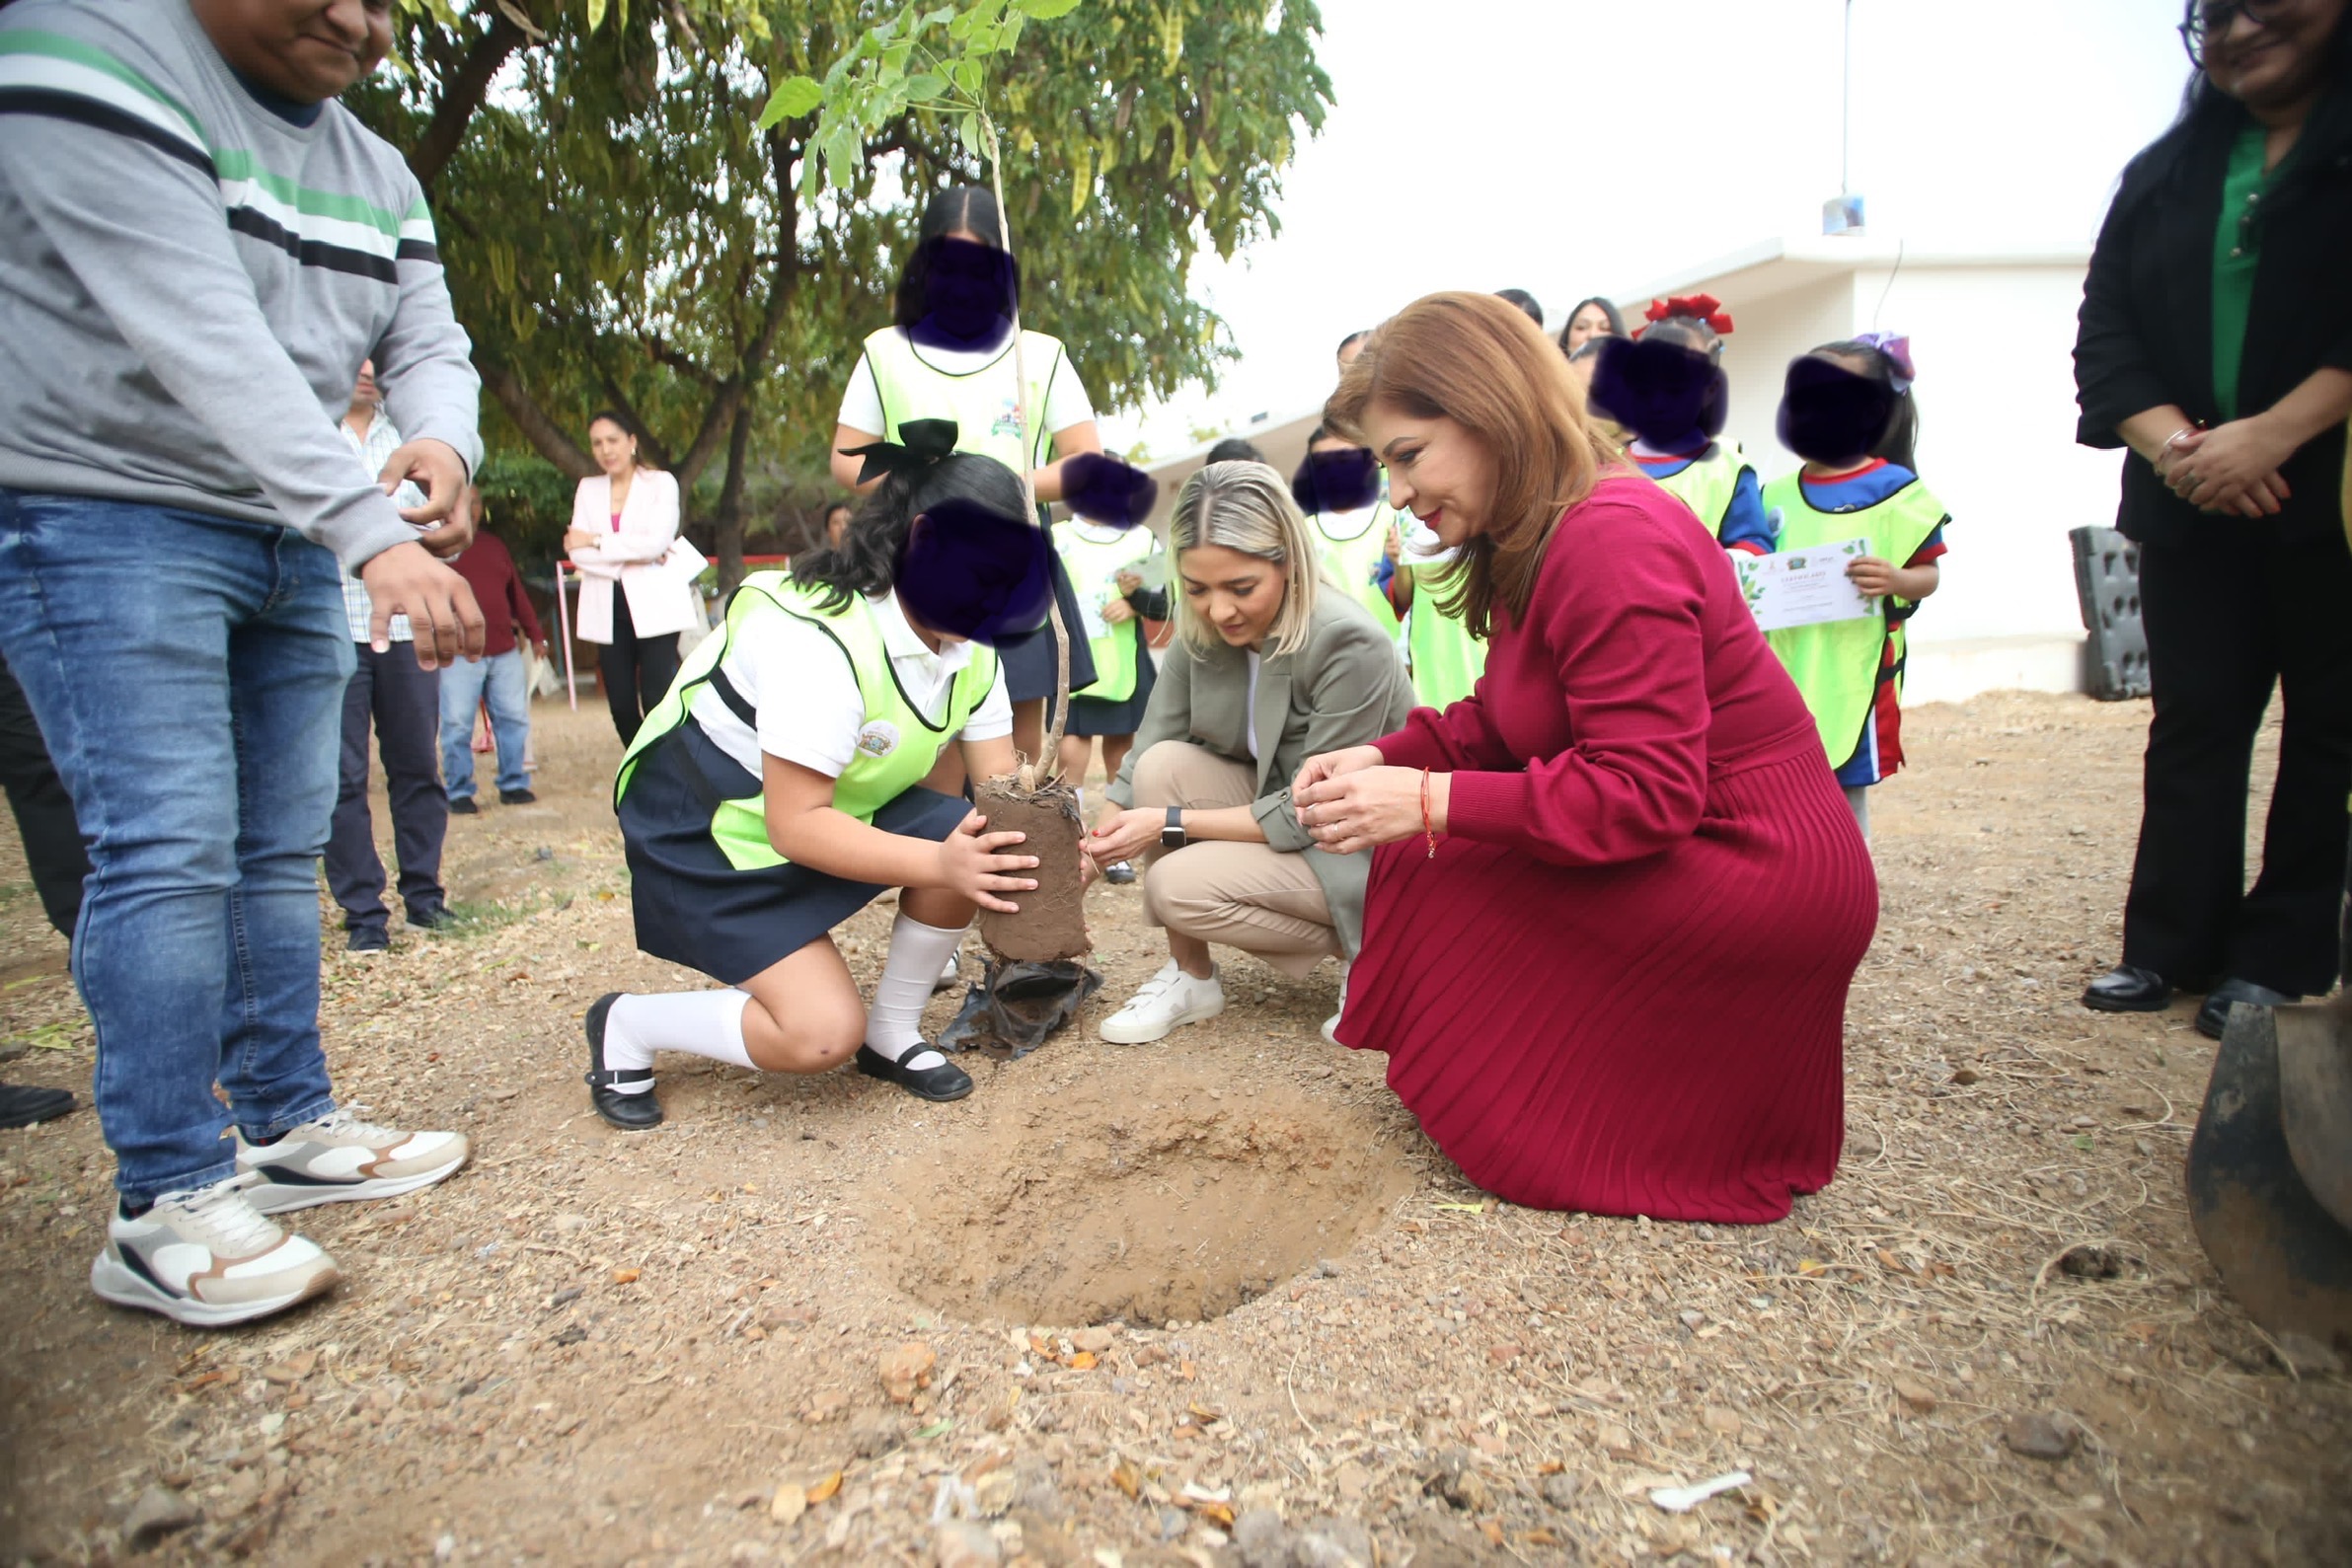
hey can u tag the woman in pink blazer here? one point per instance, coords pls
(624, 522)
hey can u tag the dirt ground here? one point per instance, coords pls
(1163, 1297)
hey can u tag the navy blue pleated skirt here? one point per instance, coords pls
(693, 908)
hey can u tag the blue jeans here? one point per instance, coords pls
(187, 672)
(499, 679)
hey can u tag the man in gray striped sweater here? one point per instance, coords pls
(198, 246)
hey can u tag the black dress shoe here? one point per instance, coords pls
(2124, 989)
(464, 806)
(632, 1112)
(946, 1082)
(437, 918)
(2214, 1016)
(368, 939)
(517, 798)
(21, 1105)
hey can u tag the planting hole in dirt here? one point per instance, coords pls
(1168, 1192)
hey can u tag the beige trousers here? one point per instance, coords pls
(1251, 896)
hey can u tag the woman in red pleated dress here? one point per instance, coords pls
(1618, 898)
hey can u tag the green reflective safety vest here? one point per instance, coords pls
(1447, 660)
(896, 744)
(981, 402)
(1836, 664)
(1354, 563)
(1094, 566)
(1706, 485)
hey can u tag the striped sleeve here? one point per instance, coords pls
(62, 78)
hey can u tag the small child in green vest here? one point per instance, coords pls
(781, 786)
(1849, 411)
(1105, 561)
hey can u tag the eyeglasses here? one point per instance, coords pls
(2208, 19)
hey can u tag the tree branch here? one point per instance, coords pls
(462, 92)
(546, 436)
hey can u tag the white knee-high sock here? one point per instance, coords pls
(706, 1022)
(895, 1023)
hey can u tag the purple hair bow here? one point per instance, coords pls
(1897, 348)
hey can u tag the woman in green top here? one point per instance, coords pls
(2216, 345)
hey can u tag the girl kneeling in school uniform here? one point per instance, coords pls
(779, 788)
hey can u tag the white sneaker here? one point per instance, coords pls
(951, 975)
(339, 1159)
(1170, 999)
(1330, 1025)
(208, 1258)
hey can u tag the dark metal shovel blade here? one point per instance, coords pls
(2315, 1099)
(2279, 1251)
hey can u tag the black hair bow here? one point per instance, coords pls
(926, 441)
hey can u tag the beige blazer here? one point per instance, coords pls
(661, 601)
(1347, 687)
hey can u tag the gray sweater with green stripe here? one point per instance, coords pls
(189, 283)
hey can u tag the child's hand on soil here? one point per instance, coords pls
(973, 864)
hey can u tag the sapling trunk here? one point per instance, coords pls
(1035, 801)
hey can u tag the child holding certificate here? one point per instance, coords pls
(1848, 410)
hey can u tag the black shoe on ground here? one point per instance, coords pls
(21, 1105)
(1119, 875)
(368, 939)
(464, 806)
(632, 1113)
(517, 798)
(2124, 989)
(946, 1082)
(2214, 1016)
(436, 918)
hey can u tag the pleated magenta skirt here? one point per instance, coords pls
(1663, 1037)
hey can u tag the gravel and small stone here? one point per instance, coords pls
(1212, 1302)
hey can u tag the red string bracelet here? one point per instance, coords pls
(1428, 827)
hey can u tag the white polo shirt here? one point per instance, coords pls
(797, 681)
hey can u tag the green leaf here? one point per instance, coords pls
(595, 15)
(924, 86)
(937, 1429)
(1044, 10)
(794, 96)
(967, 131)
(2082, 1142)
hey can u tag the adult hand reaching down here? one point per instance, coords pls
(442, 615)
(1371, 805)
(436, 468)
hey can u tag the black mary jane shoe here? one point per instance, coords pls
(2124, 989)
(2214, 1016)
(632, 1113)
(946, 1082)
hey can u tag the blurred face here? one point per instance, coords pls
(1332, 443)
(2270, 53)
(837, 524)
(308, 50)
(613, 448)
(1437, 470)
(1589, 321)
(1238, 595)
(365, 392)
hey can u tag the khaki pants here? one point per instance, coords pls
(1251, 896)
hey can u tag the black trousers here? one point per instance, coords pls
(403, 704)
(43, 811)
(636, 671)
(2229, 616)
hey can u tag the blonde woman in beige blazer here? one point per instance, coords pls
(624, 522)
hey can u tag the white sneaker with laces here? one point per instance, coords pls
(950, 975)
(208, 1258)
(1330, 1025)
(339, 1159)
(1170, 999)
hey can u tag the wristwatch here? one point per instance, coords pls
(1172, 837)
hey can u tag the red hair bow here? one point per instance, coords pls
(1699, 307)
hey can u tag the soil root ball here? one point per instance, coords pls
(1051, 923)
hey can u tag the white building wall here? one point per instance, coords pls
(1994, 345)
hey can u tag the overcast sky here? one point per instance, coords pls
(1571, 147)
